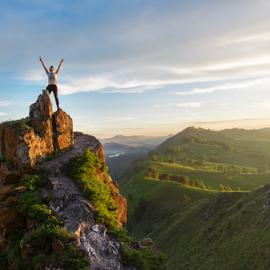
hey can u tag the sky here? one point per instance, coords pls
(147, 67)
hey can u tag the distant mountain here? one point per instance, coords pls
(136, 141)
(232, 146)
(121, 151)
(112, 147)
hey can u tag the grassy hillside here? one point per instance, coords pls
(174, 196)
(233, 146)
(212, 177)
(151, 201)
(230, 231)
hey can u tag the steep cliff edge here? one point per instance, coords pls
(59, 208)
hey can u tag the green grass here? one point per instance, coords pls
(163, 199)
(85, 170)
(226, 232)
(213, 178)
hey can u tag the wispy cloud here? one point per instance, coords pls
(240, 39)
(163, 105)
(225, 87)
(192, 105)
(4, 103)
(3, 114)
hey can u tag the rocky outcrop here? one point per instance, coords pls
(26, 141)
(77, 212)
(81, 143)
(63, 130)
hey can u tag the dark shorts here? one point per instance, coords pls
(52, 88)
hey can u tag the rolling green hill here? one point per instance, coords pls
(174, 196)
(230, 231)
(232, 146)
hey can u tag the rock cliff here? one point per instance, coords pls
(59, 207)
(27, 141)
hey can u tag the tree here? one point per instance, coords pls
(164, 176)
(184, 180)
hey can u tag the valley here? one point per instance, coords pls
(201, 172)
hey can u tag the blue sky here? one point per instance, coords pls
(140, 66)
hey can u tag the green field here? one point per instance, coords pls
(203, 228)
(163, 199)
(211, 177)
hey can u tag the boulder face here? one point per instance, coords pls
(63, 130)
(26, 141)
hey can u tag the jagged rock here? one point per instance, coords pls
(26, 141)
(63, 130)
(23, 143)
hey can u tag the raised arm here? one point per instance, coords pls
(59, 66)
(46, 70)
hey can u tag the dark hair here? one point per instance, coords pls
(51, 67)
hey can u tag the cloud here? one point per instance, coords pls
(192, 105)
(231, 40)
(3, 114)
(163, 105)
(225, 87)
(114, 51)
(4, 103)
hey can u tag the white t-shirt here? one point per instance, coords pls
(52, 78)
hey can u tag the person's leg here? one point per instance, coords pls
(55, 92)
(49, 89)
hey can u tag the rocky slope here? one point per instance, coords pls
(46, 220)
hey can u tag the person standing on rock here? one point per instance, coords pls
(52, 79)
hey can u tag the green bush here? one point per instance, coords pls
(148, 258)
(145, 259)
(84, 169)
(32, 182)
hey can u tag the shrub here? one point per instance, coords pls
(84, 169)
(164, 176)
(145, 259)
(32, 182)
(148, 258)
